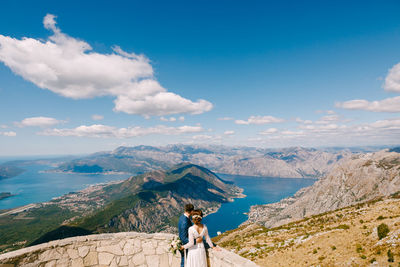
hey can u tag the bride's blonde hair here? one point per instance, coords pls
(197, 216)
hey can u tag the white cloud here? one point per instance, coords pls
(328, 119)
(392, 80)
(255, 139)
(10, 133)
(259, 120)
(328, 127)
(335, 131)
(303, 121)
(269, 131)
(287, 132)
(385, 105)
(225, 119)
(104, 131)
(323, 128)
(97, 117)
(3, 126)
(229, 132)
(381, 132)
(307, 127)
(202, 137)
(68, 67)
(329, 112)
(171, 119)
(387, 124)
(161, 103)
(38, 122)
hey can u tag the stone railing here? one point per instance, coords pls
(119, 249)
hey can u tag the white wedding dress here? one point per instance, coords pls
(196, 255)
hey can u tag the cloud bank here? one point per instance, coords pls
(104, 131)
(259, 120)
(385, 105)
(69, 67)
(381, 132)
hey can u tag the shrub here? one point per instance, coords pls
(382, 230)
(380, 218)
(343, 226)
(315, 251)
(372, 260)
(363, 257)
(396, 195)
(390, 256)
(333, 248)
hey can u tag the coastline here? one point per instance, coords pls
(230, 200)
(88, 173)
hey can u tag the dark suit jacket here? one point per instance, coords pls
(183, 227)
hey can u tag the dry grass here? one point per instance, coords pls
(345, 237)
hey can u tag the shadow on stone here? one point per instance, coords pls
(61, 233)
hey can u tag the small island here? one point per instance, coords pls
(4, 195)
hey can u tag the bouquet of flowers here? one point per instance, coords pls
(175, 245)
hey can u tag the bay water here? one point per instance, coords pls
(35, 185)
(258, 191)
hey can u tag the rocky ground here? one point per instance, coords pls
(345, 237)
(360, 178)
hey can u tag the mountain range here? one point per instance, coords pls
(358, 179)
(295, 162)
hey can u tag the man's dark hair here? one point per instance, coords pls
(189, 207)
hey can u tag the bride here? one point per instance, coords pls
(196, 256)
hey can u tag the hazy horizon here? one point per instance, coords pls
(49, 156)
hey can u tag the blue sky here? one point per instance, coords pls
(85, 76)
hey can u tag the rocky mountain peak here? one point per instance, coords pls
(360, 178)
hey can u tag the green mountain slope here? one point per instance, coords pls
(153, 201)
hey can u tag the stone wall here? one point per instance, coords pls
(120, 249)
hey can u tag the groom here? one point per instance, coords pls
(183, 227)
